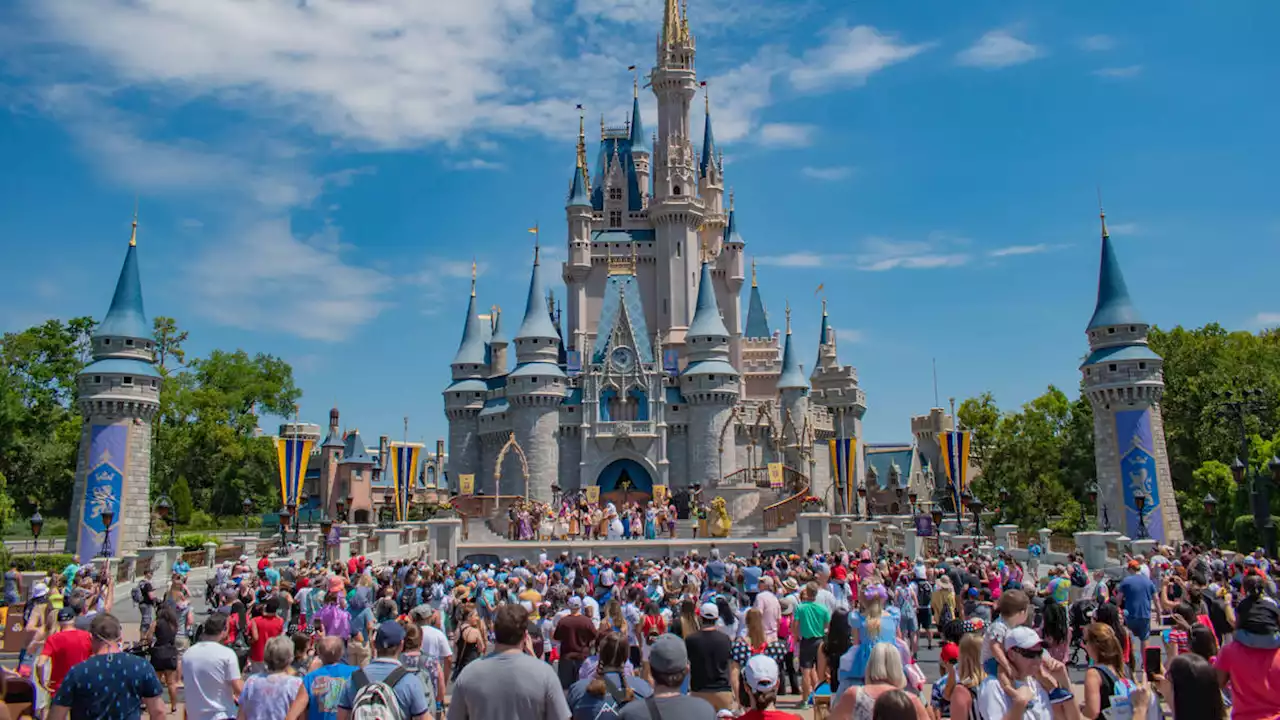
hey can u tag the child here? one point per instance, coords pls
(939, 703)
(1012, 609)
(1257, 617)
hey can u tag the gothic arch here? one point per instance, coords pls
(502, 455)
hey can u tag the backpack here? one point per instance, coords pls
(1079, 578)
(377, 700)
(924, 593)
(614, 699)
(408, 598)
(136, 594)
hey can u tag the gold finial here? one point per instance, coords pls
(684, 21)
(706, 95)
(753, 273)
(601, 126)
(788, 317)
(133, 233)
(635, 84)
(824, 307)
(670, 23)
(582, 139)
(1102, 215)
(633, 256)
(473, 277)
(730, 199)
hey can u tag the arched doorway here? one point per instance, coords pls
(625, 481)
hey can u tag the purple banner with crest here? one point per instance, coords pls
(103, 488)
(1138, 471)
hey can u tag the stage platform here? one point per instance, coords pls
(679, 547)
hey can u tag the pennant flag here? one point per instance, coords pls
(579, 106)
(955, 461)
(534, 230)
(293, 453)
(844, 455)
(820, 286)
(633, 67)
(703, 83)
(404, 472)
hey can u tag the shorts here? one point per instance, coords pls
(1139, 626)
(924, 617)
(809, 652)
(907, 623)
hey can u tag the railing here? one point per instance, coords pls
(1062, 544)
(759, 476)
(784, 512)
(623, 428)
(143, 566)
(482, 505)
(194, 558)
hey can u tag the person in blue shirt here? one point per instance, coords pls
(110, 684)
(1136, 593)
(323, 687)
(388, 641)
(181, 567)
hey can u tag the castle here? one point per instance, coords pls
(646, 375)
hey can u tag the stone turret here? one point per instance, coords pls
(119, 395)
(1124, 381)
(535, 390)
(497, 344)
(330, 453)
(835, 387)
(641, 151)
(793, 392)
(464, 398)
(710, 386)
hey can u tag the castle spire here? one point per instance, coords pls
(1114, 306)
(670, 23)
(471, 349)
(708, 140)
(126, 317)
(707, 322)
(757, 319)
(639, 141)
(824, 333)
(537, 321)
(792, 376)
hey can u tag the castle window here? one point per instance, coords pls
(675, 190)
(1142, 366)
(1112, 367)
(97, 379)
(675, 407)
(153, 383)
(615, 218)
(615, 193)
(106, 341)
(1133, 329)
(126, 380)
(1111, 331)
(677, 249)
(128, 342)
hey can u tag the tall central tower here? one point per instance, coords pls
(676, 211)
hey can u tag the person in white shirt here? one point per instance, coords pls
(1030, 700)
(211, 674)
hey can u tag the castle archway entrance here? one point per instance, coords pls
(625, 481)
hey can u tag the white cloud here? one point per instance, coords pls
(796, 260)
(191, 223)
(850, 335)
(998, 49)
(1126, 71)
(1019, 250)
(477, 164)
(850, 55)
(879, 254)
(1125, 228)
(830, 174)
(1097, 43)
(262, 277)
(786, 135)
(1266, 320)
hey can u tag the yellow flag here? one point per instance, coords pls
(820, 286)
(534, 230)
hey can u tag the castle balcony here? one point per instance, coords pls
(624, 429)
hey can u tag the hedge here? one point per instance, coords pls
(45, 562)
(195, 541)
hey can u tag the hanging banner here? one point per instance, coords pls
(1139, 471)
(955, 461)
(671, 362)
(660, 494)
(404, 473)
(103, 488)
(467, 484)
(294, 453)
(844, 463)
(593, 493)
(775, 475)
(573, 363)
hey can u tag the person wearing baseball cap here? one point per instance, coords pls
(761, 678)
(385, 667)
(669, 666)
(1025, 650)
(710, 651)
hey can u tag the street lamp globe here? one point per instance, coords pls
(1140, 500)
(37, 524)
(1237, 470)
(164, 507)
(1093, 493)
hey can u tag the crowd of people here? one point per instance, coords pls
(577, 519)
(679, 638)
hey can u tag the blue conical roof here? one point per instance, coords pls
(126, 318)
(578, 191)
(639, 141)
(354, 450)
(792, 375)
(1114, 307)
(706, 315)
(471, 350)
(537, 321)
(825, 330)
(708, 146)
(757, 318)
(497, 337)
(731, 229)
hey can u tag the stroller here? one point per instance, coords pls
(1079, 615)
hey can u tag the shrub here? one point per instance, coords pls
(201, 520)
(180, 495)
(54, 562)
(1245, 535)
(195, 541)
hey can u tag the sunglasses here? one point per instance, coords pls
(1029, 653)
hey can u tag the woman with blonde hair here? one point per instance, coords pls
(755, 643)
(1105, 677)
(883, 674)
(962, 688)
(943, 605)
(611, 618)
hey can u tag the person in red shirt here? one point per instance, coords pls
(65, 648)
(261, 629)
(264, 562)
(761, 675)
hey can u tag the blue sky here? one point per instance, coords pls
(315, 177)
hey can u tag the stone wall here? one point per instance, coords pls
(134, 512)
(537, 429)
(571, 461)
(464, 445)
(705, 423)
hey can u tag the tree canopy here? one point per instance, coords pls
(1042, 454)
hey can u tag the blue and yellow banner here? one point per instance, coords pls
(955, 462)
(294, 453)
(1139, 471)
(404, 473)
(103, 489)
(844, 464)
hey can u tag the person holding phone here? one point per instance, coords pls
(1136, 593)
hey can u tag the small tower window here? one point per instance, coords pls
(97, 379)
(675, 190)
(106, 341)
(153, 383)
(1111, 331)
(128, 342)
(1112, 367)
(126, 380)
(615, 193)
(615, 218)
(1142, 366)
(1133, 329)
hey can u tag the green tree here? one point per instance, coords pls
(169, 340)
(180, 496)
(1214, 478)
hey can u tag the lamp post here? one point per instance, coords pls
(1140, 504)
(1210, 510)
(164, 508)
(247, 506)
(108, 514)
(341, 507)
(37, 524)
(285, 513)
(966, 499)
(388, 509)
(1237, 406)
(976, 506)
(1004, 504)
